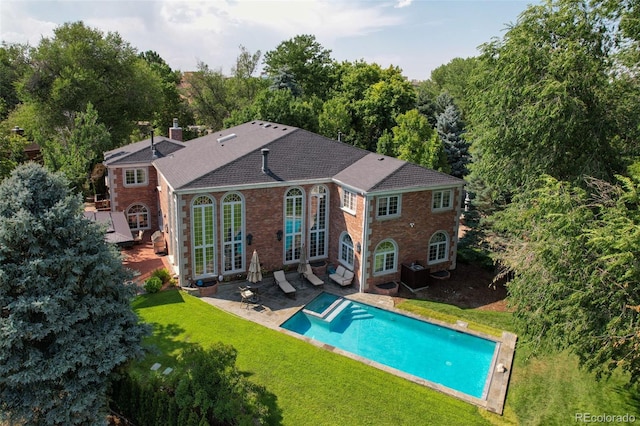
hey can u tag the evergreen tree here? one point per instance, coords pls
(285, 79)
(450, 128)
(65, 319)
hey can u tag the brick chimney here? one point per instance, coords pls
(175, 132)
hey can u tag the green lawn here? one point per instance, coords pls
(317, 387)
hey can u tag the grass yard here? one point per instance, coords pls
(312, 386)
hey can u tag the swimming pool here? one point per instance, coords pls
(451, 358)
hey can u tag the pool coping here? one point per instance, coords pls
(497, 383)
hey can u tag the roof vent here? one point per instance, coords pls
(223, 139)
(267, 125)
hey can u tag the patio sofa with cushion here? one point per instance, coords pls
(342, 276)
(284, 285)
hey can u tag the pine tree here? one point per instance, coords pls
(450, 128)
(65, 319)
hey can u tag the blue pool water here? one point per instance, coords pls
(454, 359)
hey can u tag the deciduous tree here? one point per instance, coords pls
(414, 140)
(541, 103)
(74, 152)
(81, 65)
(573, 256)
(308, 61)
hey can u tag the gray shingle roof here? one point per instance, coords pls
(140, 152)
(414, 176)
(233, 157)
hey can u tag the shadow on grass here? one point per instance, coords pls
(163, 345)
(156, 299)
(630, 395)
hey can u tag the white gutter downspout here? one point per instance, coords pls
(364, 244)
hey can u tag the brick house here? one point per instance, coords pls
(279, 189)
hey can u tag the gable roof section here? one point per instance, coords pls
(207, 155)
(294, 156)
(140, 152)
(365, 173)
(410, 175)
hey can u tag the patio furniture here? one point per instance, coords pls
(247, 296)
(284, 285)
(342, 276)
(138, 238)
(311, 277)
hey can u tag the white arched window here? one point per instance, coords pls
(138, 217)
(346, 250)
(438, 247)
(233, 232)
(384, 258)
(203, 236)
(318, 218)
(293, 214)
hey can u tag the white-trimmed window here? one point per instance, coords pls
(135, 177)
(442, 200)
(233, 226)
(348, 201)
(318, 218)
(388, 206)
(203, 233)
(293, 215)
(384, 258)
(138, 217)
(438, 247)
(346, 250)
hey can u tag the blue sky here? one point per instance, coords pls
(416, 35)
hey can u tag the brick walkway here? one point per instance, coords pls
(142, 260)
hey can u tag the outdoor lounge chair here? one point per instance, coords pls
(284, 285)
(342, 276)
(311, 277)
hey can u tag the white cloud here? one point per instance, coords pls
(17, 27)
(403, 3)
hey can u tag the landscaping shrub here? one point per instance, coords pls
(205, 388)
(163, 274)
(153, 285)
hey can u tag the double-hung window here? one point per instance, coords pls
(348, 201)
(389, 206)
(135, 177)
(442, 200)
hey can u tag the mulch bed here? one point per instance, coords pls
(469, 286)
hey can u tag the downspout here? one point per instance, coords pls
(456, 228)
(364, 244)
(178, 230)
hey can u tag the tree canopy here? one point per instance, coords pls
(573, 255)
(307, 60)
(66, 322)
(541, 103)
